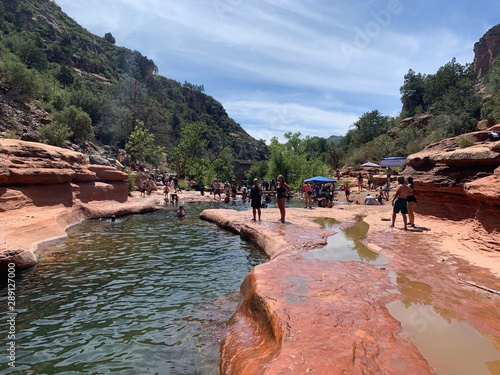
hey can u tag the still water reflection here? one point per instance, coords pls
(346, 244)
(147, 294)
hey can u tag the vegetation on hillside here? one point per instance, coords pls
(448, 103)
(95, 90)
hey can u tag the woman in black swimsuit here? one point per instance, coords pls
(412, 202)
(282, 191)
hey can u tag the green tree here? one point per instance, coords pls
(491, 106)
(141, 145)
(412, 93)
(19, 80)
(77, 121)
(55, 134)
(369, 126)
(222, 165)
(334, 154)
(258, 170)
(65, 76)
(292, 160)
(190, 152)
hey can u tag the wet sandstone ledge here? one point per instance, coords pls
(300, 315)
(46, 189)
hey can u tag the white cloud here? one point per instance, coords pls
(281, 59)
(264, 119)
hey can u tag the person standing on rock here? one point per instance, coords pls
(399, 201)
(387, 189)
(255, 198)
(217, 188)
(282, 191)
(388, 173)
(412, 202)
(308, 191)
(370, 180)
(360, 183)
(347, 191)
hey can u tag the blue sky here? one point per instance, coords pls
(309, 66)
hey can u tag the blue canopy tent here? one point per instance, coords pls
(395, 161)
(321, 179)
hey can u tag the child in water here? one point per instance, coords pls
(180, 212)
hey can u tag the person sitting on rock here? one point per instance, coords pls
(371, 200)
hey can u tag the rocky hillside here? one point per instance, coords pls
(48, 63)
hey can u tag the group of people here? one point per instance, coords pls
(322, 193)
(229, 189)
(370, 184)
(404, 201)
(282, 193)
(381, 197)
(170, 190)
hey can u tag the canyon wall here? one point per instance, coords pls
(458, 182)
(35, 177)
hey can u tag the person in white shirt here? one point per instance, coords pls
(371, 200)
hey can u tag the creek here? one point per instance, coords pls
(146, 294)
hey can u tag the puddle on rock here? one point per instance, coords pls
(346, 244)
(448, 344)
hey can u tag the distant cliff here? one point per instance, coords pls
(486, 50)
(113, 85)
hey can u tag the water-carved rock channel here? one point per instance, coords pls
(147, 294)
(152, 294)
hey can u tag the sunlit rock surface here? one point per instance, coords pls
(461, 183)
(301, 315)
(39, 177)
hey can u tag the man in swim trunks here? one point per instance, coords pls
(399, 201)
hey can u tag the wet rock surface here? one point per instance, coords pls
(301, 315)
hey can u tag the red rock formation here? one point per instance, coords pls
(485, 51)
(301, 315)
(460, 183)
(42, 175)
(38, 175)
